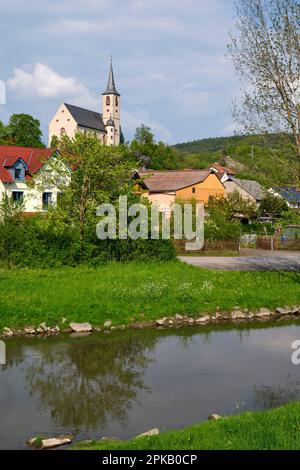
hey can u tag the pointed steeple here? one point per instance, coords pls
(111, 87)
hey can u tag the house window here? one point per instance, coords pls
(18, 174)
(47, 199)
(17, 196)
(193, 190)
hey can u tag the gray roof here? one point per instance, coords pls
(252, 187)
(110, 122)
(86, 118)
(111, 87)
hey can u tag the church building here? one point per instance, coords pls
(70, 119)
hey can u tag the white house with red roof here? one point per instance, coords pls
(22, 176)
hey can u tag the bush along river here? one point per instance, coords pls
(121, 383)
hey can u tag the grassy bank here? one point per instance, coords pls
(269, 430)
(135, 291)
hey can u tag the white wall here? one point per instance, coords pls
(47, 180)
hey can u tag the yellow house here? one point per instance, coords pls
(164, 187)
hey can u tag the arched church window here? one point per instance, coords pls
(117, 101)
(107, 101)
(62, 131)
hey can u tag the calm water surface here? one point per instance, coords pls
(123, 383)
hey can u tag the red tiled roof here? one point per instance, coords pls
(223, 169)
(34, 159)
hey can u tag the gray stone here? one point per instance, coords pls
(283, 311)
(161, 321)
(29, 330)
(263, 312)
(214, 417)
(81, 327)
(43, 326)
(151, 432)
(107, 324)
(7, 332)
(204, 319)
(55, 329)
(238, 315)
(178, 316)
(295, 309)
(51, 442)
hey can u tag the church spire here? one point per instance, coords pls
(111, 87)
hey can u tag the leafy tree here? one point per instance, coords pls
(157, 156)
(102, 174)
(5, 138)
(232, 205)
(54, 144)
(273, 206)
(122, 137)
(265, 52)
(22, 130)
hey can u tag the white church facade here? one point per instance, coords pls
(70, 119)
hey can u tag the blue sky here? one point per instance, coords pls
(169, 61)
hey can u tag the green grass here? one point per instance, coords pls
(268, 430)
(135, 291)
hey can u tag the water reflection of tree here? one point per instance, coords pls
(266, 397)
(87, 383)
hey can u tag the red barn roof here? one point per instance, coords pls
(34, 159)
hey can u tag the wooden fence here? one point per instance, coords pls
(210, 246)
(276, 243)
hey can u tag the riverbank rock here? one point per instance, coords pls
(107, 324)
(81, 327)
(238, 315)
(214, 417)
(263, 312)
(161, 321)
(43, 327)
(49, 443)
(7, 332)
(151, 432)
(30, 330)
(178, 317)
(204, 319)
(283, 311)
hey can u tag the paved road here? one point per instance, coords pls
(257, 260)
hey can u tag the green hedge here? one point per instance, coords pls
(25, 242)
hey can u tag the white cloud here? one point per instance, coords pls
(44, 82)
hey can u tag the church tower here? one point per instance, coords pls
(111, 110)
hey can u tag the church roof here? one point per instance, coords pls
(110, 122)
(111, 86)
(86, 118)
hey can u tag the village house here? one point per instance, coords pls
(222, 172)
(290, 195)
(163, 188)
(18, 167)
(69, 119)
(248, 189)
